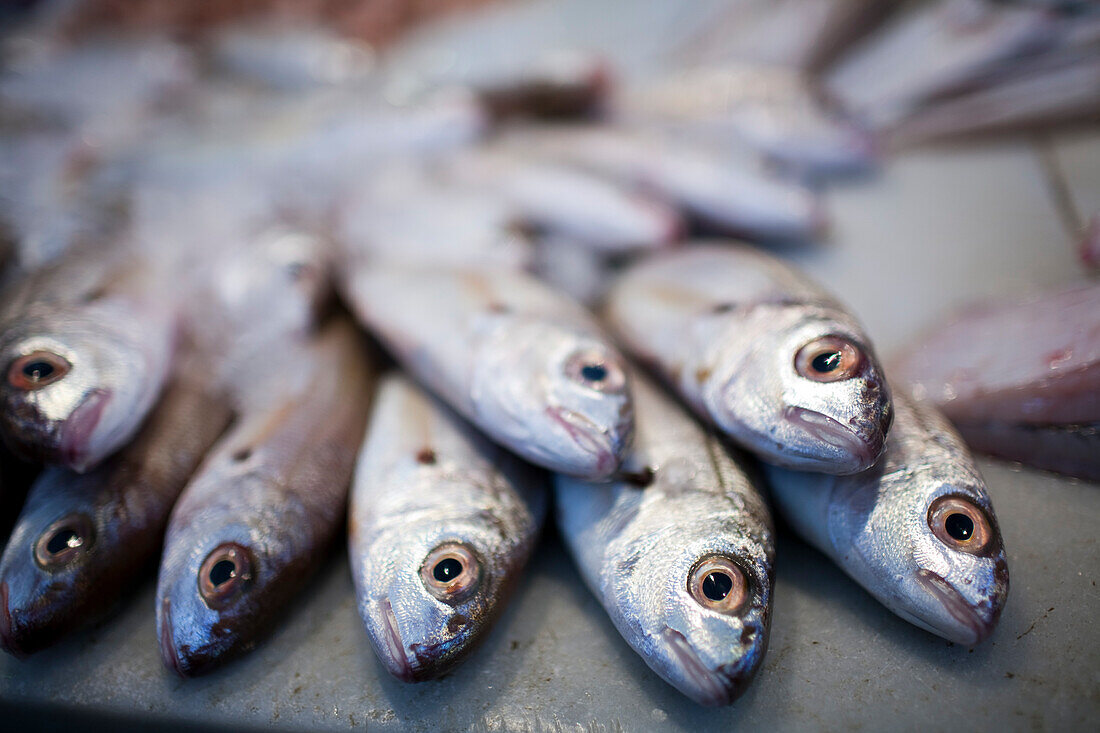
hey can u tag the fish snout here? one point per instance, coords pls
(593, 452)
(168, 651)
(7, 638)
(842, 450)
(390, 648)
(74, 446)
(709, 687)
(963, 622)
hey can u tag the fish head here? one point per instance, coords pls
(807, 389)
(435, 586)
(46, 571)
(72, 385)
(927, 539)
(702, 600)
(562, 395)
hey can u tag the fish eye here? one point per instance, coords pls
(595, 371)
(224, 574)
(828, 359)
(450, 572)
(960, 524)
(36, 370)
(64, 541)
(718, 584)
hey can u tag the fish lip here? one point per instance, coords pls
(7, 641)
(957, 606)
(396, 661)
(717, 689)
(167, 644)
(833, 433)
(73, 443)
(588, 437)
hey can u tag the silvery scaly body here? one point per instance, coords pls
(84, 540)
(441, 523)
(257, 519)
(525, 364)
(761, 351)
(86, 346)
(917, 531)
(679, 552)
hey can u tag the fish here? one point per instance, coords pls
(84, 540)
(441, 523)
(679, 549)
(932, 50)
(759, 350)
(1088, 249)
(85, 346)
(971, 366)
(714, 187)
(564, 201)
(258, 517)
(917, 530)
(1042, 94)
(771, 109)
(405, 215)
(526, 365)
(572, 268)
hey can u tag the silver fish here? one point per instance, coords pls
(525, 364)
(441, 523)
(708, 184)
(769, 108)
(85, 346)
(83, 540)
(258, 517)
(566, 201)
(759, 350)
(932, 50)
(917, 531)
(679, 551)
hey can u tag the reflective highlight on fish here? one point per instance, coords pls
(679, 550)
(441, 524)
(84, 541)
(761, 351)
(917, 531)
(255, 522)
(523, 363)
(85, 349)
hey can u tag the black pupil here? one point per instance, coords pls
(594, 372)
(826, 362)
(63, 539)
(447, 570)
(222, 571)
(717, 586)
(37, 370)
(959, 526)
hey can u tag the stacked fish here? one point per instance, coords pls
(198, 258)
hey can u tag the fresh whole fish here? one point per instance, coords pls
(932, 50)
(525, 364)
(85, 346)
(759, 350)
(917, 530)
(769, 108)
(84, 539)
(441, 523)
(566, 201)
(404, 215)
(679, 550)
(714, 189)
(257, 519)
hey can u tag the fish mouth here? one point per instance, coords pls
(708, 687)
(78, 428)
(827, 430)
(587, 436)
(167, 644)
(6, 639)
(968, 618)
(395, 660)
